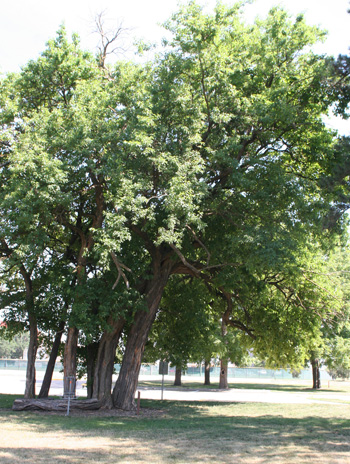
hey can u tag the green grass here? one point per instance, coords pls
(6, 401)
(278, 385)
(183, 432)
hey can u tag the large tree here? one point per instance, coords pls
(209, 161)
(231, 176)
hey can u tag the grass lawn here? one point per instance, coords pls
(290, 385)
(184, 432)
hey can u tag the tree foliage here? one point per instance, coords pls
(211, 161)
(12, 347)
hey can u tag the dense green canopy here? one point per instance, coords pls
(212, 160)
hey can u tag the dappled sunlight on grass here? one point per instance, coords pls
(196, 432)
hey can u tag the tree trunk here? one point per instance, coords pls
(178, 372)
(91, 351)
(207, 373)
(29, 391)
(45, 387)
(102, 386)
(70, 363)
(223, 384)
(125, 387)
(316, 379)
(86, 245)
(32, 351)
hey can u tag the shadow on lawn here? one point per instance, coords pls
(187, 428)
(179, 414)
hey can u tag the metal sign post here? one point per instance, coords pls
(163, 370)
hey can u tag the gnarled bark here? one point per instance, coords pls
(125, 387)
(54, 405)
(102, 386)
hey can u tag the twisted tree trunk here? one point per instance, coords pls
(102, 386)
(125, 387)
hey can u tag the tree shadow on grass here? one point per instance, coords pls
(173, 414)
(188, 432)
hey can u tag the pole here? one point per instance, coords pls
(69, 393)
(162, 385)
(138, 402)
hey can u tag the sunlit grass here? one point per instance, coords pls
(182, 432)
(335, 386)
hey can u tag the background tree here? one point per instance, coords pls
(184, 327)
(335, 346)
(13, 346)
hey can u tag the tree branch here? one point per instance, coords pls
(184, 261)
(120, 266)
(200, 243)
(107, 39)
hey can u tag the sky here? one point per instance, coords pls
(26, 25)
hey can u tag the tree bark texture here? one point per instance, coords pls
(54, 405)
(70, 363)
(223, 383)
(178, 372)
(45, 387)
(102, 386)
(316, 379)
(207, 373)
(29, 391)
(32, 351)
(125, 387)
(91, 356)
